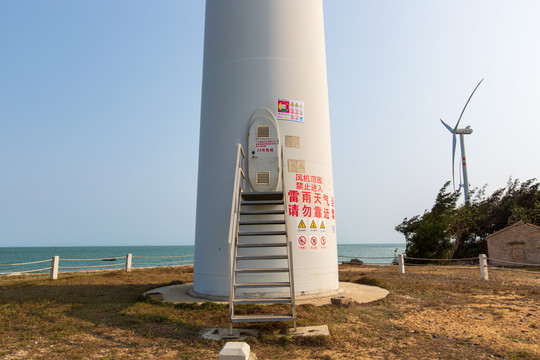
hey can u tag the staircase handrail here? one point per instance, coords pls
(288, 237)
(233, 225)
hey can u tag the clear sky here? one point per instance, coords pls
(100, 106)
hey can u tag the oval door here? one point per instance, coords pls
(264, 152)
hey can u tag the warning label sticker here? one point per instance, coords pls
(266, 146)
(301, 228)
(322, 240)
(313, 242)
(291, 110)
(302, 243)
(310, 207)
(322, 227)
(313, 229)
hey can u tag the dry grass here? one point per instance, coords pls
(431, 313)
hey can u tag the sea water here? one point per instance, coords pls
(78, 258)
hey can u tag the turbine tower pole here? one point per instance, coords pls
(466, 131)
(464, 165)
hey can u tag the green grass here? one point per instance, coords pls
(103, 315)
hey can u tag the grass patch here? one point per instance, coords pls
(371, 281)
(430, 313)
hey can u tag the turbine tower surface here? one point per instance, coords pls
(266, 58)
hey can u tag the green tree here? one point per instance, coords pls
(472, 223)
(447, 231)
(428, 236)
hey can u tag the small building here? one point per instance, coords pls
(518, 243)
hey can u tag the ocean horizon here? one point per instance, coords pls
(81, 258)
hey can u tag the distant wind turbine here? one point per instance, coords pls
(466, 131)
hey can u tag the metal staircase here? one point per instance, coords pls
(260, 267)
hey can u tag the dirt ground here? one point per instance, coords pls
(431, 313)
(448, 313)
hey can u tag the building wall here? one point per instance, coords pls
(519, 243)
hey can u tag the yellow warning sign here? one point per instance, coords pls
(313, 224)
(322, 225)
(302, 225)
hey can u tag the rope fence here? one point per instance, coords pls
(127, 265)
(482, 260)
(100, 259)
(88, 267)
(399, 260)
(512, 262)
(25, 263)
(161, 257)
(423, 259)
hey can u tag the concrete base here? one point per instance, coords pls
(219, 334)
(184, 293)
(235, 351)
(321, 330)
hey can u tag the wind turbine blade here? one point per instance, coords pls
(467, 103)
(447, 126)
(453, 161)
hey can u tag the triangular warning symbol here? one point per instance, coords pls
(322, 225)
(302, 225)
(313, 224)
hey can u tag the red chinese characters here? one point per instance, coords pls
(309, 199)
(293, 195)
(293, 210)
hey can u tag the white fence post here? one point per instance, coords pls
(129, 259)
(54, 267)
(401, 263)
(483, 267)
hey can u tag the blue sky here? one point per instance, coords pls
(100, 106)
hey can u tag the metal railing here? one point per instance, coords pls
(239, 175)
(288, 238)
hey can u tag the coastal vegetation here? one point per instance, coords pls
(449, 231)
(431, 313)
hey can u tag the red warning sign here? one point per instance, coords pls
(323, 240)
(313, 240)
(302, 243)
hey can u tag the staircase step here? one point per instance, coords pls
(262, 318)
(283, 300)
(261, 245)
(263, 285)
(262, 257)
(270, 195)
(262, 270)
(262, 222)
(261, 233)
(261, 212)
(262, 202)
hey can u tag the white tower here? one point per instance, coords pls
(266, 57)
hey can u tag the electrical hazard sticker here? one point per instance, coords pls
(291, 110)
(301, 228)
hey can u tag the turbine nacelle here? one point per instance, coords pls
(466, 131)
